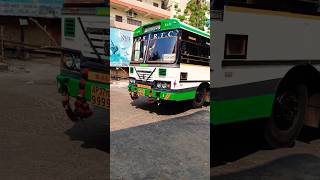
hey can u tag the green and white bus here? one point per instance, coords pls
(170, 62)
(266, 65)
(84, 77)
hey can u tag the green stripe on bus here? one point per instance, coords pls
(230, 111)
(170, 96)
(169, 24)
(73, 85)
(144, 65)
(179, 96)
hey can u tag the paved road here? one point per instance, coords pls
(170, 141)
(37, 139)
(239, 153)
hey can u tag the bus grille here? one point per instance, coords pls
(145, 75)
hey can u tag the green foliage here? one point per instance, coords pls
(194, 14)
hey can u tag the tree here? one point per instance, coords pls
(195, 13)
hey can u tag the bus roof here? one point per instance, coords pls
(169, 24)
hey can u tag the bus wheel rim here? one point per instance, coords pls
(288, 109)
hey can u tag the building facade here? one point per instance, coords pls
(130, 14)
(125, 17)
(30, 25)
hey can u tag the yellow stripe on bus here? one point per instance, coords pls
(167, 96)
(99, 77)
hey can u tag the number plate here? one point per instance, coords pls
(143, 86)
(99, 77)
(100, 97)
(141, 92)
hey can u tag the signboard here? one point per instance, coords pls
(23, 22)
(121, 43)
(164, 34)
(152, 28)
(32, 8)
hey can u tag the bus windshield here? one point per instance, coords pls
(156, 48)
(162, 50)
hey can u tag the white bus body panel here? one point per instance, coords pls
(80, 42)
(195, 73)
(287, 38)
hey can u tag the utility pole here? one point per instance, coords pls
(2, 42)
(23, 24)
(3, 64)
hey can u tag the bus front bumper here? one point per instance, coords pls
(73, 86)
(172, 95)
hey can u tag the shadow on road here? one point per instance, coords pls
(93, 132)
(309, 134)
(232, 142)
(297, 166)
(165, 108)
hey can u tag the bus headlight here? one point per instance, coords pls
(77, 64)
(132, 81)
(71, 61)
(163, 85)
(159, 85)
(67, 61)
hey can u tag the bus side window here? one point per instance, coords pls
(235, 46)
(195, 49)
(189, 44)
(189, 48)
(205, 52)
(183, 48)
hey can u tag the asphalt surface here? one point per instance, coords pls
(147, 141)
(170, 141)
(240, 153)
(37, 139)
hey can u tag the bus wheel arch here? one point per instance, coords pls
(301, 74)
(202, 95)
(291, 105)
(309, 76)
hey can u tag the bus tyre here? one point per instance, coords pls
(287, 118)
(199, 99)
(133, 96)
